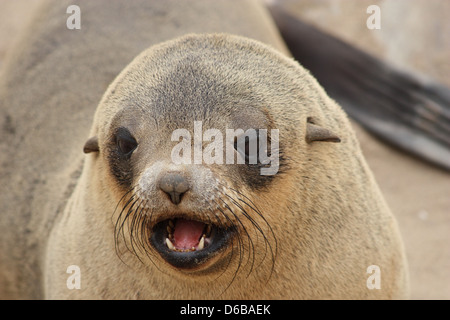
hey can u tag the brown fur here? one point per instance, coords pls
(331, 221)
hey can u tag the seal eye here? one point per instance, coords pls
(126, 146)
(125, 142)
(248, 146)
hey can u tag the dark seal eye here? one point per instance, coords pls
(248, 146)
(121, 147)
(255, 147)
(125, 142)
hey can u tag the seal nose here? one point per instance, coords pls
(175, 185)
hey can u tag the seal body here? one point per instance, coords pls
(129, 218)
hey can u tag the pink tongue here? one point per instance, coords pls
(187, 233)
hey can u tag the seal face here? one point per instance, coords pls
(197, 215)
(192, 215)
(183, 142)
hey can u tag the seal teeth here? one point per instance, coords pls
(170, 244)
(169, 229)
(201, 244)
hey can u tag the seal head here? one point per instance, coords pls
(193, 214)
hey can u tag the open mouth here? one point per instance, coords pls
(187, 244)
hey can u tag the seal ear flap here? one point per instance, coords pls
(317, 133)
(91, 145)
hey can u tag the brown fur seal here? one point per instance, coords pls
(309, 231)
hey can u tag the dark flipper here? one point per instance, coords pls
(400, 108)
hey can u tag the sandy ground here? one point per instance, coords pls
(415, 35)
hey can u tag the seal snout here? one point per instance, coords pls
(175, 185)
(186, 229)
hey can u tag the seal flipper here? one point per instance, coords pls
(400, 108)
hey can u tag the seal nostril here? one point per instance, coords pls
(175, 197)
(174, 185)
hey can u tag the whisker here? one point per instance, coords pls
(255, 209)
(118, 228)
(249, 239)
(240, 245)
(244, 212)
